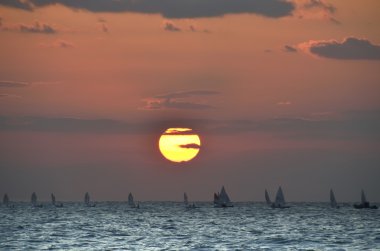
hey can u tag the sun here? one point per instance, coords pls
(179, 144)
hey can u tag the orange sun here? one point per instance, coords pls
(179, 144)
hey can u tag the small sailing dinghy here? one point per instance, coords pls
(131, 201)
(280, 200)
(333, 202)
(87, 200)
(364, 203)
(6, 201)
(186, 202)
(33, 200)
(267, 198)
(222, 199)
(54, 203)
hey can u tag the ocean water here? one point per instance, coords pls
(170, 226)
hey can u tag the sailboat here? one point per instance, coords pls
(54, 203)
(221, 199)
(87, 200)
(267, 198)
(6, 200)
(131, 202)
(280, 200)
(186, 202)
(364, 203)
(333, 202)
(33, 200)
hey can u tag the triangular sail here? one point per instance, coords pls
(216, 198)
(33, 198)
(87, 198)
(185, 199)
(6, 199)
(333, 202)
(130, 200)
(52, 199)
(224, 196)
(267, 199)
(364, 199)
(280, 199)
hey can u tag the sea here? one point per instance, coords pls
(172, 226)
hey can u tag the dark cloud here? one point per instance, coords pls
(289, 48)
(19, 4)
(13, 84)
(179, 132)
(320, 5)
(37, 27)
(169, 8)
(190, 146)
(350, 48)
(170, 26)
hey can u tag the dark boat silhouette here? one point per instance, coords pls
(221, 199)
(364, 203)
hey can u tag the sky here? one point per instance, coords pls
(280, 93)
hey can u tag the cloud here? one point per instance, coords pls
(190, 146)
(284, 103)
(170, 26)
(6, 95)
(174, 100)
(103, 25)
(289, 48)
(343, 126)
(187, 94)
(315, 9)
(37, 27)
(13, 84)
(319, 4)
(159, 104)
(59, 43)
(168, 8)
(350, 48)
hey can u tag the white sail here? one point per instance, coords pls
(267, 198)
(364, 199)
(33, 199)
(130, 200)
(52, 199)
(5, 199)
(87, 198)
(185, 199)
(333, 202)
(280, 199)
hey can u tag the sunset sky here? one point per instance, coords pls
(280, 92)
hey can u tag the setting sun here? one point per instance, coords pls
(179, 144)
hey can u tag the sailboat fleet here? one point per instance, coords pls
(221, 200)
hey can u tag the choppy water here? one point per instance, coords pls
(168, 225)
